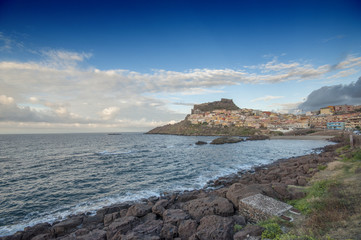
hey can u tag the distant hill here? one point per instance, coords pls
(185, 127)
(226, 104)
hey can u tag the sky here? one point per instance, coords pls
(114, 66)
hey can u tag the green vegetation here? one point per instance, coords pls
(321, 167)
(331, 208)
(237, 228)
(186, 128)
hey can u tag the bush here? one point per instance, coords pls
(272, 231)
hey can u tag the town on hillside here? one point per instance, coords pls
(226, 113)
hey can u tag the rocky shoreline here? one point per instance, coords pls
(209, 213)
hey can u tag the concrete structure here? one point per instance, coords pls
(260, 207)
(336, 125)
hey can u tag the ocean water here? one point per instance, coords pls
(44, 178)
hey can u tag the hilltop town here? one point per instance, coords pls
(226, 115)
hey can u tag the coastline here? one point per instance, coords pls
(305, 137)
(263, 179)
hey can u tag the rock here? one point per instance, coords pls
(187, 196)
(81, 232)
(152, 227)
(201, 143)
(174, 216)
(41, 228)
(223, 140)
(187, 228)
(240, 220)
(137, 236)
(64, 226)
(212, 205)
(112, 209)
(109, 218)
(149, 217)
(301, 181)
(122, 226)
(282, 190)
(45, 236)
(215, 227)
(238, 191)
(249, 230)
(159, 207)
(139, 210)
(96, 234)
(169, 231)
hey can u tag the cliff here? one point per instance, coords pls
(187, 129)
(226, 104)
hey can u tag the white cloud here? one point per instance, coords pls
(266, 98)
(344, 73)
(109, 112)
(66, 93)
(6, 100)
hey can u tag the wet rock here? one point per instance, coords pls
(223, 140)
(201, 143)
(169, 231)
(187, 196)
(215, 227)
(159, 207)
(67, 225)
(213, 205)
(41, 228)
(174, 216)
(248, 231)
(112, 209)
(187, 228)
(96, 234)
(109, 218)
(139, 210)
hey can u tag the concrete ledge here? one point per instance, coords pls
(260, 207)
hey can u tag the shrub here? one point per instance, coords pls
(272, 231)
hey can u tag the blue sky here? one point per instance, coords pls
(79, 66)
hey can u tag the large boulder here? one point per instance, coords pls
(248, 231)
(174, 216)
(212, 205)
(159, 207)
(67, 225)
(41, 228)
(139, 210)
(238, 191)
(150, 228)
(215, 227)
(169, 231)
(187, 228)
(122, 226)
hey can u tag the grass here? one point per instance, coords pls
(331, 208)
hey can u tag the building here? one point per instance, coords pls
(327, 110)
(344, 108)
(336, 125)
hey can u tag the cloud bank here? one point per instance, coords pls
(333, 95)
(58, 89)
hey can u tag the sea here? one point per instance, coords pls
(47, 177)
